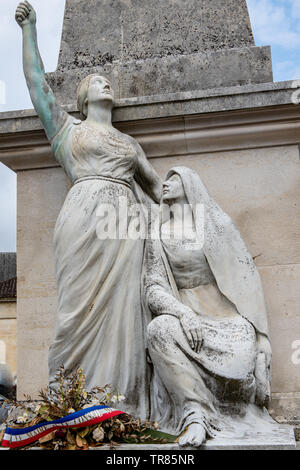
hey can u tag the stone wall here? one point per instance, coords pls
(8, 335)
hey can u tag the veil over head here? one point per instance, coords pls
(226, 252)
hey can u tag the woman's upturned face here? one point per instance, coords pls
(100, 90)
(173, 189)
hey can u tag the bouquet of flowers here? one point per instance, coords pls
(71, 418)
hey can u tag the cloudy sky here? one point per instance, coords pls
(274, 22)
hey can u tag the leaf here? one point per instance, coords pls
(35, 421)
(122, 427)
(46, 446)
(47, 438)
(70, 438)
(43, 411)
(81, 442)
(71, 447)
(83, 432)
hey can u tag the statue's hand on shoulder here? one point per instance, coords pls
(25, 14)
(191, 327)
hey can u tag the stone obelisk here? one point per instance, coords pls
(158, 47)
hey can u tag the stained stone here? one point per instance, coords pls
(8, 266)
(127, 29)
(171, 74)
(183, 45)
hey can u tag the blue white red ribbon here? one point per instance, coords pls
(18, 437)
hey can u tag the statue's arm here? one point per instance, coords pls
(159, 295)
(146, 176)
(50, 113)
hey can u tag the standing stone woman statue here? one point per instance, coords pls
(209, 341)
(99, 322)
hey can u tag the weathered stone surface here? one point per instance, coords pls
(40, 197)
(132, 30)
(183, 45)
(8, 327)
(170, 104)
(6, 381)
(282, 440)
(286, 406)
(281, 286)
(188, 72)
(259, 189)
(8, 266)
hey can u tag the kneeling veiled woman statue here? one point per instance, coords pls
(209, 340)
(99, 323)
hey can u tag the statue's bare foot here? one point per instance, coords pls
(194, 436)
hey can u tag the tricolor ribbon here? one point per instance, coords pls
(18, 437)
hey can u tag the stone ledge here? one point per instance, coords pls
(202, 121)
(28, 148)
(231, 444)
(281, 439)
(247, 97)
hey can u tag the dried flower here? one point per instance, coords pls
(70, 396)
(98, 434)
(117, 398)
(21, 419)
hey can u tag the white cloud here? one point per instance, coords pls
(288, 68)
(295, 8)
(273, 22)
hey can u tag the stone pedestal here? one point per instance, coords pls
(155, 48)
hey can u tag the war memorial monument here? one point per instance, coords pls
(170, 111)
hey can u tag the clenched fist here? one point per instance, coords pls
(25, 14)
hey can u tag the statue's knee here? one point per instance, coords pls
(159, 331)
